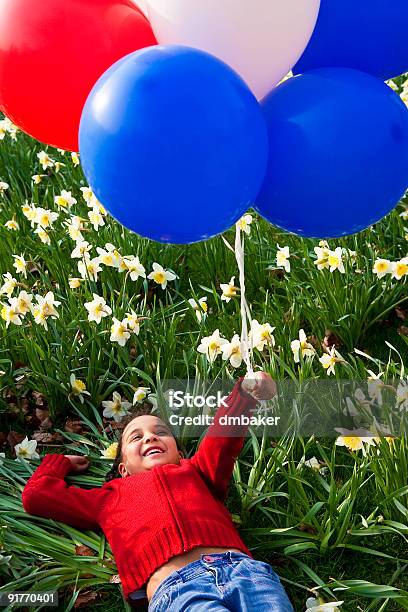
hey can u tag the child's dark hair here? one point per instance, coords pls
(139, 411)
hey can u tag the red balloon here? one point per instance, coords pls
(52, 52)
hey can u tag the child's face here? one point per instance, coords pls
(139, 436)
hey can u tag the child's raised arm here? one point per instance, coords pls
(47, 494)
(218, 451)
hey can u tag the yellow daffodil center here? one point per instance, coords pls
(352, 442)
(381, 266)
(78, 386)
(401, 269)
(333, 260)
(159, 277)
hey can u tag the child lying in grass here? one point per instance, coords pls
(164, 516)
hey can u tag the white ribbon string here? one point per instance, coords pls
(245, 313)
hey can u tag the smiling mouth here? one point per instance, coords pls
(153, 451)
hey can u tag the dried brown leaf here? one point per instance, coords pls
(84, 551)
(39, 399)
(402, 313)
(402, 330)
(85, 598)
(330, 339)
(74, 426)
(13, 438)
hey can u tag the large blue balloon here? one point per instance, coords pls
(173, 143)
(338, 160)
(368, 35)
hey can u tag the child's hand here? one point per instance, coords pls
(260, 385)
(78, 464)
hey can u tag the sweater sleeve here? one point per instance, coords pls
(217, 452)
(46, 494)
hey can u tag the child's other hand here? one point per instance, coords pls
(260, 385)
(78, 464)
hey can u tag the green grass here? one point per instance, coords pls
(317, 531)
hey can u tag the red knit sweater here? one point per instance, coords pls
(150, 517)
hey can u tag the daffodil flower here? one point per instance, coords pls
(37, 178)
(43, 235)
(26, 449)
(7, 126)
(201, 308)
(233, 351)
(45, 218)
(23, 302)
(355, 440)
(382, 267)
(375, 386)
(9, 285)
(45, 160)
(20, 265)
(96, 218)
(30, 212)
(44, 309)
(10, 314)
(400, 268)
(75, 158)
(74, 283)
(318, 605)
(322, 253)
(58, 165)
(329, 360)
(161, 276)
(211, 345)
(75, 227)
(282, 258)
(301, 347)
(81, 250)
(244, 224)
(117, 408)
(335, 260)
(111, 451)
(393, 85)
(313, 464)
(87, 194)
(109, 256)
(119, 332)
(78, 388)
(65, 199)
(3, 187)
(89, 267)
(135, 270)
(261, 335)
(140, 394)
(97, 309)
(229, 291)
(133, 320)
(12, 225)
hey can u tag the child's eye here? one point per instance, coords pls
(136, 436)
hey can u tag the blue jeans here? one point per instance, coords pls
(222, 581)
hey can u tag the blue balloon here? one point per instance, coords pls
(338, 153)
(173, 144)
(368, 35)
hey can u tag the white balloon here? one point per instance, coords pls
(142, 5)
(261, 39)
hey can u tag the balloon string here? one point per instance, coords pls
(245, 312)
